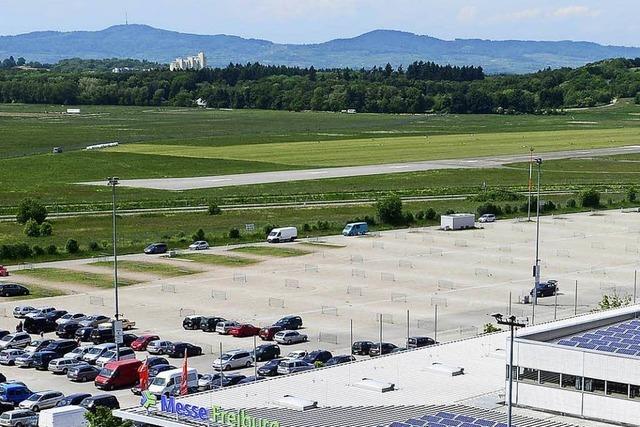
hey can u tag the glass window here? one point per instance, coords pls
(617, 389)
(528, 375)
(549, 378)
(594, 386)
(635, 392)
(571, 381)
(515, 372)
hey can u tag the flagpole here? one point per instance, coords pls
(530, 182)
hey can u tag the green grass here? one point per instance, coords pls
(159, 269)
(70, 276)
(35, 291)
(322, 245)
(223, 260)
(271, 251)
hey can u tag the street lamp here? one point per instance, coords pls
(530, 182)
(536, 271)
(113, 181)
(512, 323)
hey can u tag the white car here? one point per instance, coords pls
(125, 353)
(199, 245)
(8, 357)
(41, 400)
(126, 324)
(19, 416)
(78, 352)
(297, 354)
(233, 360)
(96, 351)
(22, 310)
(40, 312)
(62, 365)
(70, 317)
(223, 327)
(487, 218)
(289, 337)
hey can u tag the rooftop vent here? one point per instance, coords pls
(296, 403)
(374, 385)
(448, 370)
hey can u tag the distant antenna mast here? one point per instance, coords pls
(126, 18)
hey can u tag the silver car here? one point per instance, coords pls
(62, 365)
(159, 347)
(293, 366)
(41, 400)
(70, 317)
(96, 351)
(15, 340)
(22, 310)
(289, 337)
(78, 352)
(8, 357)
(233, 360)
(223, 327)
(19, 417)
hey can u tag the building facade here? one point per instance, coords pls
(197, 62)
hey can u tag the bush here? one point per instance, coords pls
(610, 201)
(267, 228)
(409, 218)
(571, 203)
(389, 210)
(32, 228)
(548, 206)
(46, 229)
(420, 215)
(306, 227)
(102, 417)
(508, 209)
(449, 212)
(72, 246)
(94, 246)
(214, 209)
(590, 198)
(430, 214)
(37, 250)
(489, 208)
(632, 194)
(31, 209)
(52, 249)
(18, 250)
(199, 235)
(497, 196)
(323, 225)
(234, 233)
(490, 328)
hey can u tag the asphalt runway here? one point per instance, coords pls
(192, 183)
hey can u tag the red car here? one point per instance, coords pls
(141, 343)
(267, 333)
(245, 330)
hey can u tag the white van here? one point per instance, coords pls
(67, 416)
(168, 382)
(285, 234)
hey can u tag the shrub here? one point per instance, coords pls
(52, 249)
(449, 212)
(548, 206)
(32, 228)
(610, 201)
(490, 328)
(489, 208)
(306, 227)
(94, 246)
(409, 218)
(72, 246)
(323, 225)
(46, 229)
(369, 220)
(214, 209)
(590, 198)
(430, 214)
(571, 203)
(37, 250)
(497, 196)
(234, 233)
(31, 209)
(508, 209)
(267, 228)
(389, 210)
(632, 194)
(420, 215)
(199, 235)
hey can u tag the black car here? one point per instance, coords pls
(208, 324)
(155, 370)
(55, 314)
(178, 349)
(155, 361)
(321, 356)
(386, 348)
(191, 323)
(41, 359)
(251, 379)
(289, 322)
(39, 344)
(68, 329)
(12, 290)
(82, 373)
(84, 333)
(100, 400)
(102, 335)
(3, 333)
(156, 248)
(37, 325)
(416, 342)
(62, 347)
(361, 348)
(266, 352)
(228, 380)
(127, 339)
(72, 399)
(270, 369)
(546, 289)
(337, 360)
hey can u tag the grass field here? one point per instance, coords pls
(35, 291)
(159, 269)
(271, 251)
(78, 277)
(222, 260)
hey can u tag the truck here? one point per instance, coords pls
(355, 229)
(64, 416)
(459, 221)
(284, 234)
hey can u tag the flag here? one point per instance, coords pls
(143, 374)
(184, 388)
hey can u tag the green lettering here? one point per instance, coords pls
(231, 418)
(274, 424)
(215, 413)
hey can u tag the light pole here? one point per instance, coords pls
(530, 182)
(536, 272)
(113, 181)
(512, 323)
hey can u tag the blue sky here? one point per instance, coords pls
(308, 21)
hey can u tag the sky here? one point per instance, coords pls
(310, 21)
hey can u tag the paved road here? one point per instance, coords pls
(341, 172)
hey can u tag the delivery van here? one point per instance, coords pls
(123, 373)
(285, 234)
(168, 382)
(65, 416)
(355, 229)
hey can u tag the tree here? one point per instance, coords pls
(214, 209)
(632, 194)
(31, 209)
(390, 210)
(490, 328)
(590, 198)
(102, 417)
(72, 246)
(234, 233)
(31, 228)
(199, 235)
(46, 229)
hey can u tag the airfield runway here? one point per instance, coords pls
(193, 183)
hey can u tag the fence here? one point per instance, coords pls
(362, 274)
(505, 260)
(291, 283)
(439, 301)
(327, 337)
(311, 268)
(405, 264)
(96, 300)
(184, 312)
(461, 243)
(427, 239)
(445, 284)
(504, 249)
(276, 302)
(460, 332)
(401, 236)
(354, 290)
(425, 324)
(23, 266)
(386, 317)
(168, 288)
(239, 278)
(562, 253)
(329, 310)
(482, 272)
(219, 295)
(435, 251)
(357, 259)
(387, 277)
(377, 245)
(398, 297)
(597, 245)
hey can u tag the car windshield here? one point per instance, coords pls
(159, 381)
(109, 354)
(226, 356)
(34, 397)
(6, 338)
(95, 350)
(107, 373)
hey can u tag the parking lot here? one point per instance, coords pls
(348, 287)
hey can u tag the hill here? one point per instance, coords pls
(374, 48)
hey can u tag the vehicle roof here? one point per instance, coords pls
(171, 372)
(115, 364)
(13, 385)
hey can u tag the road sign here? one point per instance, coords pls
(249, 227)
(117, 331)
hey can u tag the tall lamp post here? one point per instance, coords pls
(530, 182)
(536, 272)
(512, 323)
(113, 181)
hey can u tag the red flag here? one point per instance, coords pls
(143, 374)
(183, 381)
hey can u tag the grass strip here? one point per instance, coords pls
(159, 269)
(271, 251)
(71, 276)
(223, 260)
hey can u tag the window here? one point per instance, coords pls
(528, 375)
(594, 386)
(549, 378)
(617, 389)
(571, 381)
(635, 392)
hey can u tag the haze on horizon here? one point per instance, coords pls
(311, 21)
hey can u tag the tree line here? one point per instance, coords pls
(422, 87)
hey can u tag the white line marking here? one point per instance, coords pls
(218, 180)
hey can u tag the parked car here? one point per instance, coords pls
(155, 370)
(72, 399)
(355, 229)
(38, 325)
(102, 335)
(70, 317)
(251, 379)
(167, 382)
(37, 345)
(266, 334)
(109, 401)
(159, 346)
(290, 366)
(266, 352)
(15, 340)
(416, 342)
(14, 393)
(19, 418)
(398, 350)
(55, 315)
(337, 360)
(123, 373)
(62, 347)
(83, 333)
(228, 380)
(156, 248)
(123, 353)
(4, 332)
(244, 330)
(199, 245)
(208, 324)
(289, 337)
(284, 234)
(192, 322)
(78, 352)
(178, 349)
(270, 369)
(22, 310)
(93, 320)
(141, 343)
(40, 312)
(8, 357)
(128, 339)
(233, 360)
(12, 290)
(289, 322)
(206, 381)
(378, 349)
(321, 356)
(223, 328)
(96, 351)
(26, 360)
(297, 354)
(82, 373)
(155, 361)
(41, 400)
(546, 289)
(62, 365)
(41, 359)
(361, 348)
(487, 218)
(127, 324)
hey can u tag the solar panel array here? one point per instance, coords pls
(447, 419)
(623, 338)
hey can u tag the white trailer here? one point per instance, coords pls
(459, 221)
(64, 416)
